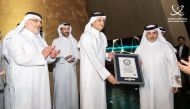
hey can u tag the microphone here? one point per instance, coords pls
(135, 37)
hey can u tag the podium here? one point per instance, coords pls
(121, 96)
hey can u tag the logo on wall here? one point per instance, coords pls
(177, 14)
(177, 10)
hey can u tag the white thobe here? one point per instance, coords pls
(6, 54)
(28, 78)
(159, 67)
(6, 45)
(92, 70)
(65, 75)
(1, 79)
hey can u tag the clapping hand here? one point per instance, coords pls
(54, 52)
(70, 59)
(46, 51)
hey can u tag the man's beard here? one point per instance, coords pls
(66, 34)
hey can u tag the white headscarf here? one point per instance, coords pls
(21, 26)
(160, 38)
(92, 19)
(70, 37)
(63, 26)
(15, 32)
(88, 25)
(163, 30)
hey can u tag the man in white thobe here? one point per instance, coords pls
(6, 45)
(160, 71)
(27, 54)
(1, 76)
(93, 73)
(65, 77)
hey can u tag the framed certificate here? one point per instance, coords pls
(127, 69)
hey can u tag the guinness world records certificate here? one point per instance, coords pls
(127, 69)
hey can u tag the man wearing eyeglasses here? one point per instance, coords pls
(27, 55)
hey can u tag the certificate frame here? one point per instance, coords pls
(127, 69)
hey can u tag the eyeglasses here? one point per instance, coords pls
(36, 20)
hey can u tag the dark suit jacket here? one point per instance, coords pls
(184, 54)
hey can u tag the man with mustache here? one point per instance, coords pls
(27, 55)
(65, 75)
